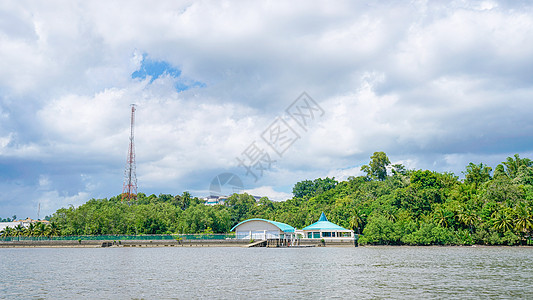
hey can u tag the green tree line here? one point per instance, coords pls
(390, 205)
(38, 229)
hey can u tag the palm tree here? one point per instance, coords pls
(523, 220)
(53, 229)
(514, 164)
(39, 230)
(19, 231)
(356, 222)
(502, 221)
(30, 230)
(467, 218)
(9, 231)
(441, 217)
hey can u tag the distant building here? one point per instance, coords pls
(30, 220)
(24, 223)
(4, 225)
(261, 229)
(215, 200)
(324, 229)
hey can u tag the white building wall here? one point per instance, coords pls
(3, 225)
(257, 230)
(258, 235)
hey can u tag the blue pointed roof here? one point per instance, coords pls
(282, 226)
(324, 224)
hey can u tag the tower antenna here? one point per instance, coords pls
(129, 189)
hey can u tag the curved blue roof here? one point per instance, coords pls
(323, 224)
(282, 226)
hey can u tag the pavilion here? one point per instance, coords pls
(325, 229)
(261, 229)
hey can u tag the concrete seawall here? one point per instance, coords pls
(124, 243)
(157, 243)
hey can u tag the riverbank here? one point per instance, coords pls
(156, 243)
(122, 243)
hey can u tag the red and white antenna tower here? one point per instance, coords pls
(129, 189)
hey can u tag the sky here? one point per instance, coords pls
(269, 92)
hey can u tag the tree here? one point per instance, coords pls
(442, 217)
(416, 207)
(502, 221)
(399, 169)
(513, 164)
(466, 217)
(377, 168)
(326, 184)
(477, 174)
(502, 189)
(303, 188)
(524, 175)
(425, 179)
(53, 229)
(19, 230)
(523, 220)
(379, 230)
(309, 188)
(30, 230)
(183, 201)
(356, 222)
(240, 204)
(40, 230)
(7, 232)
(499, 172)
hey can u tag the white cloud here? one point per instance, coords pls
(44, 182)
(4, 141)
(51, 200)
(344, 174)
(268, 191)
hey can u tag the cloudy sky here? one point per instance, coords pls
(434, 84)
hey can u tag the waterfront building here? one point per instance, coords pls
(324, 229)
(261, 229)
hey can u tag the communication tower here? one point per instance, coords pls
(129, 189)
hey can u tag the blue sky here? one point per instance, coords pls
(435, 85)
(154, 69)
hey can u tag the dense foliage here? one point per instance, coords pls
(391, 205)
(8, 219)
(38, 229)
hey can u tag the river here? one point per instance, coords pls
(274, 273)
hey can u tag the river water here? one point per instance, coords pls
(273, 273)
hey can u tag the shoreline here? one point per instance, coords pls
(205, 243)
(154, 243)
